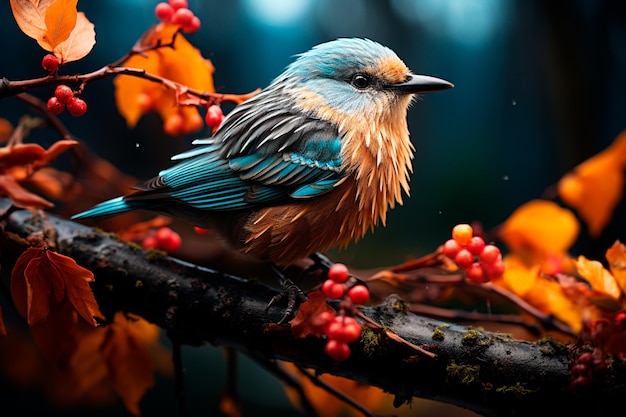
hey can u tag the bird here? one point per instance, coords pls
(313, 161)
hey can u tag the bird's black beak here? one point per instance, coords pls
(420, 84)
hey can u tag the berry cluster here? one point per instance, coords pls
(178, 13)
(588, 367)
(162, 239)
(480, 262)
(64, 97)
(336, 286)
(341, 329)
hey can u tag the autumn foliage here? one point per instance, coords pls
(164, 73)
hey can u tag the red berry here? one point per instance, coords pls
(495, 270)
(63, 93)
(164, 11)
(451, 248)
(490, 255)
(337, 350)
(462, 233)
(464, 259)
(332, 289)
(182, 17)
(344, 329)
(168, 240)
(76, 106)
(476, 245)
(359, 294)
(193, 25)
(149, 242)
(179, 4)
(323, 320)
(338, 273)
(476, 273)
(55, 106)
(214, 115)
(50, 63)
(352, 331)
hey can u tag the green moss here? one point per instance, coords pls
(370, 341)
(135, 245)
(438, 334)
(155, 255)
(400, 306)
(550, 346)
(463, 374)
(517, 390)
(471, 337)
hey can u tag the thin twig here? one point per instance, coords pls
(331, 390)
(286, 377)
(375, 326)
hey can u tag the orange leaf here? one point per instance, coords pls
(21, 196)
(303, 324)
(20, 154)
(130, 368)
(616, 255)
(60, 19)
(77, 288)
(182, 64)
(540, 228)
(79, 43)
(31, 153)
(30, 16)
(42, 279)
(545, 295)
(595, 186)
(599, 278)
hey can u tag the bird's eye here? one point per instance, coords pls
(360, 81)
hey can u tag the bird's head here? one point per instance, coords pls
(355, 76)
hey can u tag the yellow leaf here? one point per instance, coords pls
(599, 278)
(616, 255)
(518, 277)
(80, 41)
(595, 186)
(60, 20)
(182, 64)
(540, 228)
(30, 16)
(546, 295)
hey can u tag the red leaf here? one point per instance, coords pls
(42, 279)
(303, 324)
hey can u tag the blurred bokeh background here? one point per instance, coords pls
(539, 87)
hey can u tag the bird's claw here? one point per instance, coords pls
(294, 295)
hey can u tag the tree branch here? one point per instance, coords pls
(489, 373)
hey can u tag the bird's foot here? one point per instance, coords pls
(320, 261)
(290, 291)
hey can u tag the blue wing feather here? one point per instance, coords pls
(255, 159)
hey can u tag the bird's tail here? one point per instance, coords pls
(114, 206)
